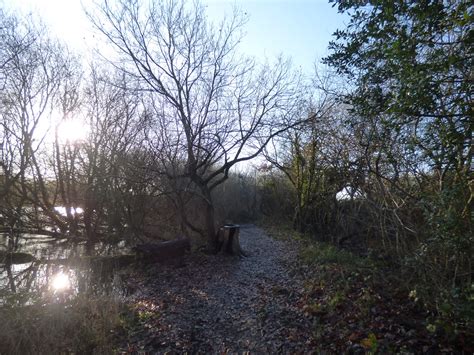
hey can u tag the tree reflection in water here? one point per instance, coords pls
(36, 269)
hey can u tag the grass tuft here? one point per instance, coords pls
(323, 253)
(80, 326)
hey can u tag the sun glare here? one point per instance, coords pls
(60, 282)
(72, 131)
(74, 210)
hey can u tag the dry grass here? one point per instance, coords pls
(82, 326)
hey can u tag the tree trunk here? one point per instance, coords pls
(226, 239)
(209, 216)
(210, 227)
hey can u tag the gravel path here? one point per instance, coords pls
(221, 304)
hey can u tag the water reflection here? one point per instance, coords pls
(60, 282)
(40, 268)
(72, 210)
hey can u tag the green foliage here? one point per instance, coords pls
(404, 56)
(410, 67)
(455, 308)
(324, 253)
(370, 343)
(277, 198)
(281, 231)
(410, 63)
(336, 299)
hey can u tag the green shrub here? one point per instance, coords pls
(323, 253)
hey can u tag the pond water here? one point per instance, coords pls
(73, 210)
(48, 269)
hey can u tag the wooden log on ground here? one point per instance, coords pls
(11, 258)
(169, 252)
(229, 240)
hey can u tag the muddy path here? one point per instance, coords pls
(221, 304)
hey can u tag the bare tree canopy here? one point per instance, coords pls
(210, 107)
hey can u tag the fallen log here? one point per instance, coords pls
(11, 258)
(172, 251)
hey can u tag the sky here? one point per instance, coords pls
(300, 29)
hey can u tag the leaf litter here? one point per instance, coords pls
(271, 302)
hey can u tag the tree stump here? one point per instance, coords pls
(229, 241)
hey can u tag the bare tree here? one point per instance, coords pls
(108, 177)
(66, 155)
(212, 107)
(32, 69)
(11, 46)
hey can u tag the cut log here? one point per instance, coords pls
(172, 251)
(229, 241)
(10, 258)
